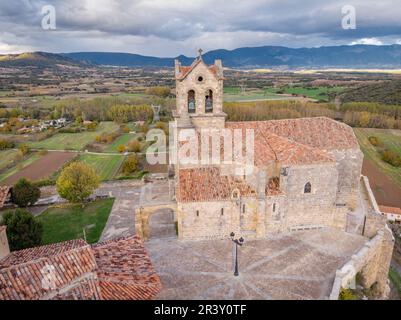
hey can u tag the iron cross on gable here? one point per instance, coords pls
(200, 53)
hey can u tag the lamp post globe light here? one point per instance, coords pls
(237, 242)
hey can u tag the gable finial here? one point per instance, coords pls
(200, 53)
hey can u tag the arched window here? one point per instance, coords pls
(307, 188)
(222, 211)
(209, 101)
(191, 101)
(243, 208)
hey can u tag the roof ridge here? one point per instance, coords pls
(41, 259)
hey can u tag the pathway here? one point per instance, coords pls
(128, 197)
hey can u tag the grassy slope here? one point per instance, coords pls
(123, 139)
(7, 157)
(105, 165)
(67, 223)
(389, 140)
(73, 141)
(385, 92)
(395, 279)
(19, 166)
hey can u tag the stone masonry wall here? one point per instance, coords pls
(210, 82)
(307, 209)
(349, 170)
(205, 220)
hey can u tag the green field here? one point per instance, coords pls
(395, 278)
(107, 166)
(123, 139)
(391, 140)
(233, 94)
(7, 157)
(73, 141)
(67, 223)
(317, 93)
(32, 158)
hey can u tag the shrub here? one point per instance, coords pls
(347, 294)
(374, 141)
(23, 231)
(6, 144)
(159, 91)
(91, 126)
(124, 129)
(392, 158)
(130, 165)
(121, 148)
(42, 152)
(134, 146)
(144, 128)
(24, 193)
(24, 149)
(77, 181)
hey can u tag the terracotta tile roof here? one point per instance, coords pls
(80, 272)
(392, 210)
(125, 271)
(4, 195)
(71, 272)
(185, 70)
(205, 184)
(270, 147)
(46, 251)
(317, 132)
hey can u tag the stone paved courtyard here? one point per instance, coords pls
(298, 265)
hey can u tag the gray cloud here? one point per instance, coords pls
(172, 27)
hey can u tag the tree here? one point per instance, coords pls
(24, 193)
(23, 231)
(159, 91)
(121, 148)
(77, 182)
(24, 149)
(130, 164)
(134, 146)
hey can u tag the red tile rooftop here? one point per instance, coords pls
(185, 70)
(391, 210)
(290, 142)
(117, 269)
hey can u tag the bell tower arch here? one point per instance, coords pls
(199, 94)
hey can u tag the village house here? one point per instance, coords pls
(118, 269)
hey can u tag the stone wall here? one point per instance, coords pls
(209, 82)
(4, 248)
(349, 166)
(217, 219)
(307, 209)
(372, 261)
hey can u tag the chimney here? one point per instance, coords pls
(4, 248)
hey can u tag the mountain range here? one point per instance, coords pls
(276, 57)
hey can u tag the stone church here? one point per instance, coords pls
(307, 170)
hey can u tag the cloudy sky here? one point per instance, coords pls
(171, 27)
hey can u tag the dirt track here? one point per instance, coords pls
(386, 191)
(41, 168)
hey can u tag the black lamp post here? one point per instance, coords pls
(238, 242)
